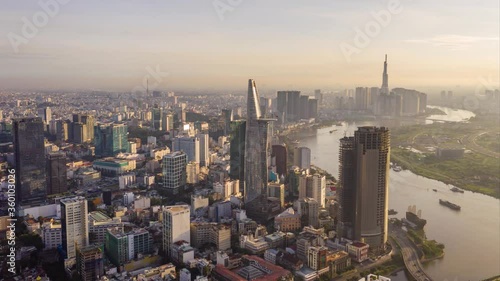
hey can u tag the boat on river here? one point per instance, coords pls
(456, 189)
(415, 219)
(450, 205)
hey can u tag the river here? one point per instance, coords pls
(471, 236)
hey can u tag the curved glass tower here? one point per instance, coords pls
(256, 147)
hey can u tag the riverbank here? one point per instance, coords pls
(481, 178)
(316, 169)
(429, 111)
(297, 127)
(430, 249)
(416, 148)
(426, 260)
(325, 124)
(494, 278)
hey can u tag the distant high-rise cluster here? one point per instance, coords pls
(319, 96)
(363, 185)
(46, 114)
(413, 102)
(266, 105)
(363, 98)
(292, 106)
(60, 129)
(446, 95)
(382, 101)
(82, 128)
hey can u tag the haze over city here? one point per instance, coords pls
(216, 45)
(233, 140)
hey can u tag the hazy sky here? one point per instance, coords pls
(283, 44)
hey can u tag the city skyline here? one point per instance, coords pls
(291, 46)
(365, 146)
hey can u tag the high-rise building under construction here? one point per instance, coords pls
(363, 185)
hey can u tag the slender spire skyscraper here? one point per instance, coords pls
(255, 147)
(253, 101)
(256, 156)
(385, 79)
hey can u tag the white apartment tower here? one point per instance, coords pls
(313, 186)
(176, 226)
(74, 225)
(319, 189)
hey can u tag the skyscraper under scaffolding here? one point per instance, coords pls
(363, 185)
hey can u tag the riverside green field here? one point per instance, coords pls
(414, 148)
